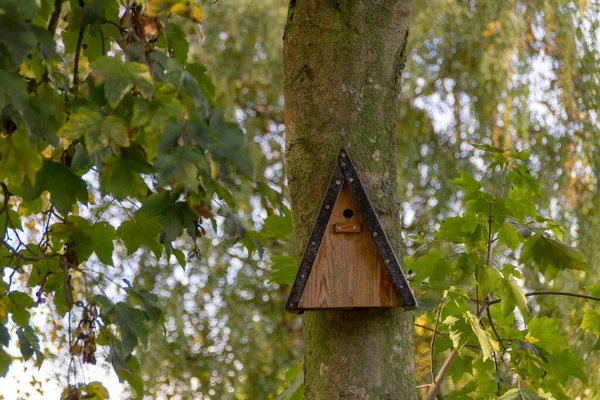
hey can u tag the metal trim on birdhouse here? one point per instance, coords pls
(346, 182)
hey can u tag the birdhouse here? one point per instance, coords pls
(348, 261)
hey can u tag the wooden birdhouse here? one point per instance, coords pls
(348, 262)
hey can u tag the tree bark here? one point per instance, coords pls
(342, 65)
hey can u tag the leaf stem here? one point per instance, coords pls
(77, 56)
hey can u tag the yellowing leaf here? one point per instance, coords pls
(591, 320)
(18, 159)
(115, 129)
(187, 10)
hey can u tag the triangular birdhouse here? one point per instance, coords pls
(348, 262)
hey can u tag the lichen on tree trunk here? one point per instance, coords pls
(342, 65)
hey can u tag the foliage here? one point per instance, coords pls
(512, 75)
(103, 109)
(507, 74)
(472, 283)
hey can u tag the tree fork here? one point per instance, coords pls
(342, 66)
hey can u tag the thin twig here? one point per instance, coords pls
(103, 40)
(550, 293)
(477, 286)
(77, 56)
(437, 322)
(489, 315)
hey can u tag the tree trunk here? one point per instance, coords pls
(342, 65)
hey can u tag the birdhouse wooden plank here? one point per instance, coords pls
(348, 262)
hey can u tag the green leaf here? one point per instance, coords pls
(283, 269)
(273, 196)
(103, 235)
(156, 204)
(19, 305)
(276, 226)
(121, 177)
(520, 204)
(179, 159)
(63, 294)
(136, 233)
(464, 269)
(150, 303)
(4, 336)
(5, 362)
(521, 178)
(199, 72)
(294, 380)
(14, 220)
(177, 42)
(432, 266)
(544, 333)
(518, 394)
(132, 325)
(64, 186)
(513, 295)
(29, 344)
(176, 218)
(119, 78)
(466, 228)
(564, 365)
(460, 332)
(593, 289)
(548, 252)
(468, 183)
(489, 279)
(508, 235)
(226, 143)
(76, 231)
(17, 160)
(462, 393)
(127, 371)
(487, 148)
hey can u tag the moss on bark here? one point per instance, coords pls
(342, 65)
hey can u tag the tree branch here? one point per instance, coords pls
(55, 16)
(551, 293)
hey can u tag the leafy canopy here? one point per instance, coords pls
(100, 104)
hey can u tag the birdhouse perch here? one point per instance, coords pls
(348, 261)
